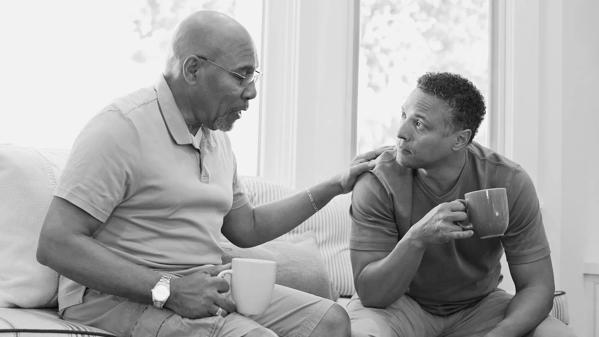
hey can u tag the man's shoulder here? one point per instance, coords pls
(496, 169)
(390, 173)
(387, 178)
(135, 101)
(485, 156)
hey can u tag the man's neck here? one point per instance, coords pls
(441, 178)
(178, 90)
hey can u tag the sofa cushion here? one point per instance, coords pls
(42, 322)
(27, 181)
(330, 227)
(299, 264)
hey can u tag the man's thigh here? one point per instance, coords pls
(291, 312)
(483, 317)
(126, 318)
(403, 318)
(552, 327)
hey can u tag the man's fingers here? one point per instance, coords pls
(221, 284)
(358, 169)
(225, 302)
(215, 270)
(457, 205)
(464, 224)
(461, 234)
(456, 216)
(370, 155)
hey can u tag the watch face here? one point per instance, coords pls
(160, 293)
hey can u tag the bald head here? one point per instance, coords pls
(206, 33)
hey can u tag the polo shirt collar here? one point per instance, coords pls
(173, 118)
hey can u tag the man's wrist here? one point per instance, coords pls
(413, 239)
(172, 298)
(161, 291)
(337, 186)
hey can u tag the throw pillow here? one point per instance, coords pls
(27, 181)
(330, 226)
(299, 264)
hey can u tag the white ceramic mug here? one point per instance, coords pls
(252, 282)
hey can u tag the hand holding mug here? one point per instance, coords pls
(200, 294)
(439, 224)
(252, 282)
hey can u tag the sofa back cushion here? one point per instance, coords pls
(299, 264)
(330, 228)
(27, 181)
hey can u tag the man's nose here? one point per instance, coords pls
(403, 132)
(250, 91)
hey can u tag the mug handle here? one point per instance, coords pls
(227, 275)
(466, 225)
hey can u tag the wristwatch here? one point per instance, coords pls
(161, 291)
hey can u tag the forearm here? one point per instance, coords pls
(83, 260)
(383, 282)
(277, 218)
(527, 309)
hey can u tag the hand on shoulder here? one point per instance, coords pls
(360, 164)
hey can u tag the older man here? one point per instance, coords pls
(149, 186)
(417, 271)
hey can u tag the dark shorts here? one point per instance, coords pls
(291, 313)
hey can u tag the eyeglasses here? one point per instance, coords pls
(244, 80)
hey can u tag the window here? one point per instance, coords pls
(64, 60)
(403, 39)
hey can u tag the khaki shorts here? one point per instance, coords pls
(291, 313)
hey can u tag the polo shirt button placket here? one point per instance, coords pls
(204, 175)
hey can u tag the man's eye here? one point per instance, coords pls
(403, 115)
(419, 124)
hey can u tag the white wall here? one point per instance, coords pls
(568, 143)
(548, 54)
(580, 146)
(309, 66)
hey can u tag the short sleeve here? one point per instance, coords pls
(98, 175)
(525, 240)
(239, 196)
(373, 224)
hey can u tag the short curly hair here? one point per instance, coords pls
(466, 102)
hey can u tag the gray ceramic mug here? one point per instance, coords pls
(488, 212)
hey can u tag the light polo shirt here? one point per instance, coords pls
(160, 192)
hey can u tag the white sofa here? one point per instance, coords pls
(314, 257)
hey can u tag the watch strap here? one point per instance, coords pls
(165, 281)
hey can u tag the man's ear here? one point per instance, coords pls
(462, 139)
(190, 68)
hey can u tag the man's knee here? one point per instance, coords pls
(552, 327)
(260, 332)
(334, 323)
(366, 327)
